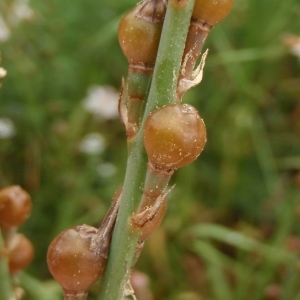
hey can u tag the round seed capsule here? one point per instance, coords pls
(211, 11)
(174, 136)
(72, 260)
(151, 225)
(20, 252)
(15, 206)
(139, 32)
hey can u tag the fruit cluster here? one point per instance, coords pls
(173, 136)
(139, 34)
(15, 208)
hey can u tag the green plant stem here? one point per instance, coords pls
(137, 86)
(155, 183)
(124, 239)
(162, 91)
(6, 291)
(165, 77)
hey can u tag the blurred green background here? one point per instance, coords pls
(232, 227)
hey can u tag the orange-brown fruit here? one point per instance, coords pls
(139, 32)
(20, 252)
(211, 11)
(147, 226)
(174, 136)
(73, 261)
(15, 206)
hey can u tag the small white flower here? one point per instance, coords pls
(18, 11)
(106, 170)
(92, 143)
(22, 10)
(7, 128)
(3, 72)
(102, 101)
(4, 30)
(296, 50)
(293, 43)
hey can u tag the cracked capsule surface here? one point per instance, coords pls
(174, 136)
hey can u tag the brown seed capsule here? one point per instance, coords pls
(139, 32)
(20, 252)
(211, 11)
(73, 261)
(148, 219)
(15, 206)
(151, 225)
(174, 136)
